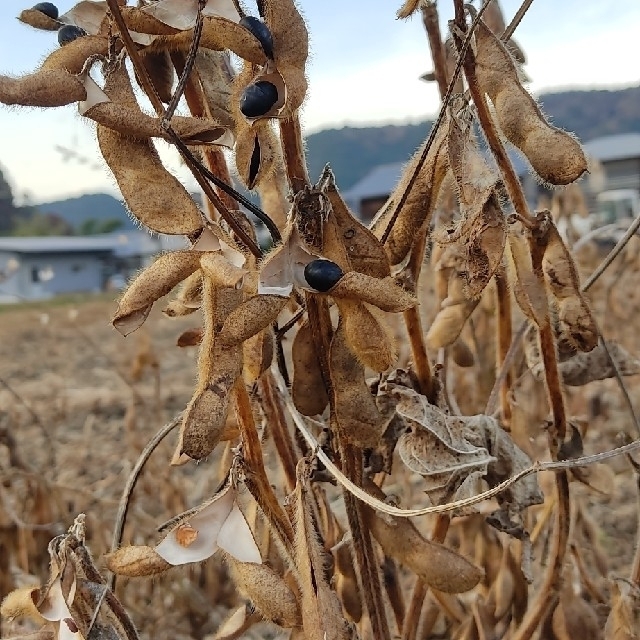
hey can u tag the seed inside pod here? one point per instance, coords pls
(260, 30)
(257, 99)
(322, 275)
(69, 33)
(48, 8)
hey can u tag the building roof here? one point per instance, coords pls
(58, 244)
(617, 147)
(121, 244)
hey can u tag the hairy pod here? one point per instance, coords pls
(136, 561)
(554, 154)
(143, 22)
(43, 15)
(307, 388)
(252, 316)
(383, 293)
(154, 282)
(268, 591)
(161, 73)
(256, 152)
(438, 566)
(42, 89)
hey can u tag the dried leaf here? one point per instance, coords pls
(583, 368)
(219, 524)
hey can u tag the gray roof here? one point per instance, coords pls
(121, 244)
(58, 244)
(618, 147)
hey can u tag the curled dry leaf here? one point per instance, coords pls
(439, 567)
(219, 524)
(307, 388)
(356, 412)
(419, 202)
(182, 14)
(554, 154)
(268, 591)
(154, 282)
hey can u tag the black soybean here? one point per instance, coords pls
(261, 32)
(48, 8)
(322, 275)
(69, 33)
(257, 99)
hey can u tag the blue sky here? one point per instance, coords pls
(364, 69)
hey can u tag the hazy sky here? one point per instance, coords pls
(364, 68)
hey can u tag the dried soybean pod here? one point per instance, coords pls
(575, 322)
(152, 194)
(136, 561)
(39, 20)
(383, 293)
(554, 154)
(153, 283)
(367, 335)
(216, 74)
(42, 89)
(268, 591)
(346, 240)
(255, 152)
(307, 388)
(73, 56)
(251, 317)
(290, 49)
(420, 200)
(142, 22)
(161, 72)
(356, 411)
(438, 566)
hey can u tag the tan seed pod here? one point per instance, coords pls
(268, 591)
(136, 561)
(21, 603)
(143, 22)
(190, 337)
(408, 8)
(218, 33)
(346, 241)
(257, 356)
(356, 411)
(153, 283)
(39, 20)
(307, 388)
(216, 75)
(368, 337)
(554, 154)
(220, 272)
(73, 56)
(595, 365)
(383, 293)
(420, 201)
(42, 89)
(462, 354)
(237, 623)
(152, 194)
(251, 317)
(438, 566)
(574, 618)
(255, 153)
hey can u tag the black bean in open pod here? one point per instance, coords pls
(260, 30)
(258, 99)
(69, 33)
(48, 8)
(322, 275)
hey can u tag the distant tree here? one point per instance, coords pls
(42, 224)
(93, 226)
(7, 210)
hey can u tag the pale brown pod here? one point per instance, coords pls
(152, 194)
(72, 56)
(357, 414)
(143, 22)
(368, 337)
(257, 354)
(255, 152)
(161, 73)
(268, 591)
(307, 387)
(42, 89)
(251, 317)
(154, 282)
(420, 200)
(383, 293)
(554, 154)
(216, 75)
(218, 33)
(39, 20)
(438, 566)
(135, 561)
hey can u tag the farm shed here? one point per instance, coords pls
(619, 159)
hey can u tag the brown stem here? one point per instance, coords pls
(418, 349)
(293, 150)
(512, 184)
(370, 584)
(504, 334)
(513, 25)
(256, 478)
(635, 567)
(432, 27)
(274, 414)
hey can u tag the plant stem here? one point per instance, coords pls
(504, 334)
(432, 27)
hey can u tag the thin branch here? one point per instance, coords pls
(517, 19)
(125, 499)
